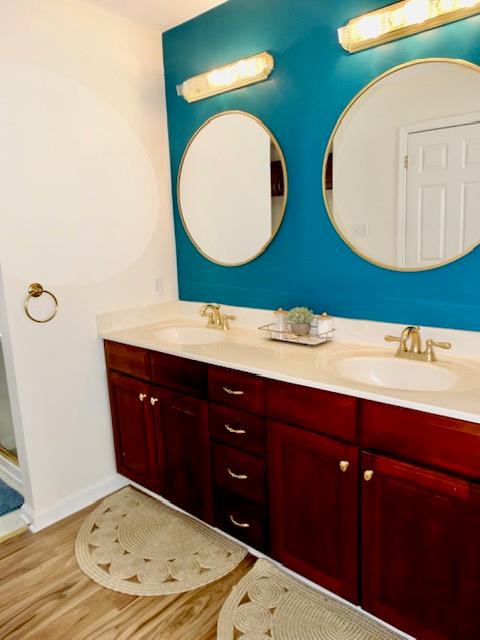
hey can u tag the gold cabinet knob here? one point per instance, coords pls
(368, 475)
(343, 464)
(153, 401)
(142, 396)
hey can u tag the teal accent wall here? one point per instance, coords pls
(314, 79)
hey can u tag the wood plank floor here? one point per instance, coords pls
(45, 596)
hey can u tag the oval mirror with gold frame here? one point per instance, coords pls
(401, 174)
(232, 188)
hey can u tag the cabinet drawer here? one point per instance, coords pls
(179, 374)
(241, 519)
(239, 429)
(239, 472)
(236, 389)
(126, 359)
(320, 411)
(445, 443)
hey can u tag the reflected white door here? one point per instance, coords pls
(442, 194)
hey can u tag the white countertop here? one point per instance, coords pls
(247, 349)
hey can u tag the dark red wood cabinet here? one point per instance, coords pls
(138, 441)
(414, 552)
(313, 484)
(161, 436)
(237, 429)
(329, 413)
(379, 504)
(187, 453)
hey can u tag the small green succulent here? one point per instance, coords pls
(300, 315)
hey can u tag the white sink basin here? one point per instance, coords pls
(189, 335)
(394, 373)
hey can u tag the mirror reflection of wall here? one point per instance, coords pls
(402, 172)
(232, 188)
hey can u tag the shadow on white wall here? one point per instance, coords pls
(58, 181)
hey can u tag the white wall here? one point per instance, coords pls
(159, 14)
(86, 211)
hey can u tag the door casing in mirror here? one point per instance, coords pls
(343, 121)
(186, 193)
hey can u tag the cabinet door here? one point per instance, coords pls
(414, 548)
(183, 421)
(136, 447)
(313, 487)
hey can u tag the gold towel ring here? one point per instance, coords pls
(35, 290)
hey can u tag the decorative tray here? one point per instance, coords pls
(312, 340)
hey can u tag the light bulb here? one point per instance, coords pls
(416, 11)
(447, 5)
(369, 27)
(235, 72)
(397, 18)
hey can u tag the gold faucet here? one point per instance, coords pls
(414, 351)
(216, 319)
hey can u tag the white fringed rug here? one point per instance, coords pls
(268, 604)
(137, 545)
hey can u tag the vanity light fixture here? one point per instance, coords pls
(402, 19)
(231, 76)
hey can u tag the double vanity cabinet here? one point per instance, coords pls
(377, 503)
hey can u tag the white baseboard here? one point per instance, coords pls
(26, 514)
(40, 519)
(10, 473)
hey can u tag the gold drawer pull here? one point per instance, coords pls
(142, 396)
(368, 475)
(343, 464)
(241, 525)
(153, 401)
(233, 393)
(237, 476)
(232, 430)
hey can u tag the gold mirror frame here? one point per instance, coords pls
(343, 115)
(274, 141)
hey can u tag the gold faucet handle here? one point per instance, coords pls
(226, 318)
(400, 339)
(430, 353)
(440, 345)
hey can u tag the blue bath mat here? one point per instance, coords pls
(9, 499)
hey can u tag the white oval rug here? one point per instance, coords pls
(268, 604)
(137, 545)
